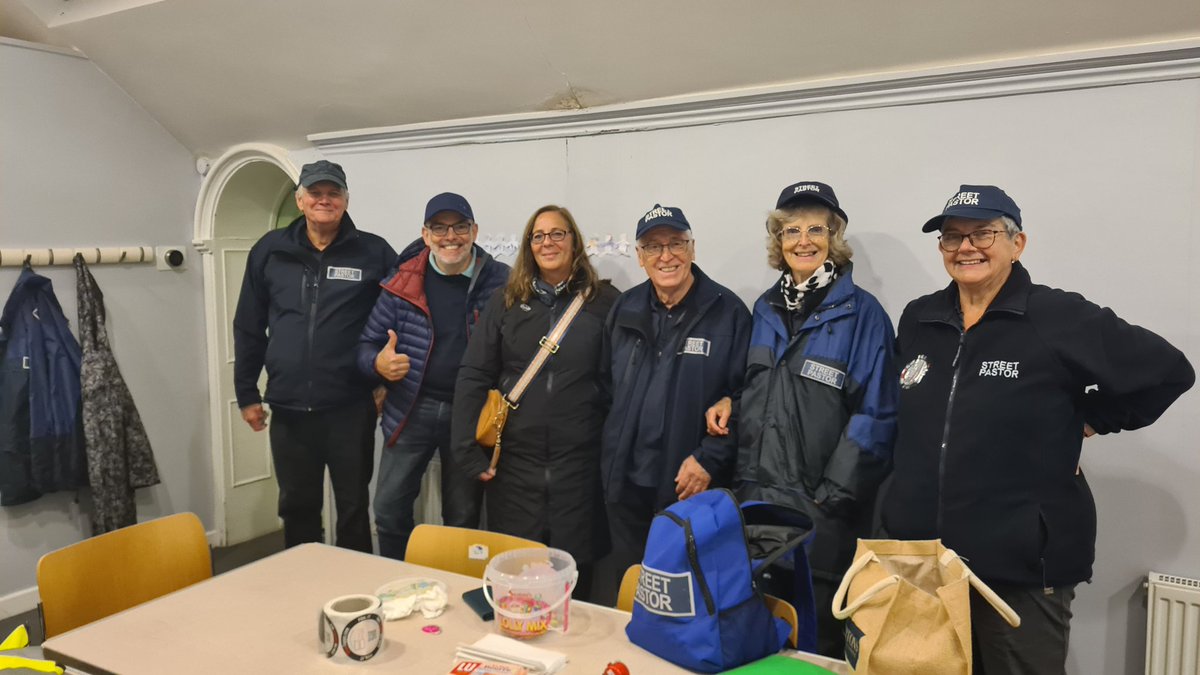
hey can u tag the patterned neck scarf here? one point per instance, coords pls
(547, 293)
(793, 293)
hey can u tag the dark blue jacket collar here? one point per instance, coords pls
(297, 232)
(637, 315)
(1013, 297)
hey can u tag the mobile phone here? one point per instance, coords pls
(475, 600)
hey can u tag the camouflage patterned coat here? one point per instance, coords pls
(118, 452)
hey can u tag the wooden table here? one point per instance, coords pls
(262, 618)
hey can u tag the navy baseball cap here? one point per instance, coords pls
(810, 191)
(981, 202)
(448, 201)
(322, 170)
(659, 216)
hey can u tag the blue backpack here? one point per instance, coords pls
(698, 604)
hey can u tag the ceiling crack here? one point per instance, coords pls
(571, 99)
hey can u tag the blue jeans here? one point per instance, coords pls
(401, 468)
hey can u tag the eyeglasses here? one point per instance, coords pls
(981, 239)
(675, 246)
(556, 236)
(813, 231)
(440, 229)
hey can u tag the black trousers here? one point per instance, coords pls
(628, 527)
(1038, 647)
(303, 444)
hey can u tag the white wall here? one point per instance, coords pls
(1107, 180)
(83, 165)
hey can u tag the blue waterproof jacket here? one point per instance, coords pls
(41, 438)
(708, 364)
(402, 307)
(818, 411)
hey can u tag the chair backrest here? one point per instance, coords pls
(117, 570)
(450, 548)
(782, 609)
(629, 584)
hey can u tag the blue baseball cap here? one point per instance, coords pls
(660, 216)
(980, 202)
(810, 191)
(322, 170)
(448, 201)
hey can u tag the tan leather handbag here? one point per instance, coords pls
(489, 428)
(491, 423)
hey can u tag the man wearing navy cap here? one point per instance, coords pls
(413, 343)
(676, 345)
(305, 296)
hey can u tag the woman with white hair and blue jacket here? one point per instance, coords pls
(817, 415)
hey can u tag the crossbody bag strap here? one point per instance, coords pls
(547, 345)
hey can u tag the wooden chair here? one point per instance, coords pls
(448, 548)
(629, 584)
(117, 570)
(783, 609)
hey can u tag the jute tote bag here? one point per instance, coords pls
(907, 608)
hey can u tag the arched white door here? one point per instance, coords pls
(247, 192)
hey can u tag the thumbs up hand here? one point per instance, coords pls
(390, 365)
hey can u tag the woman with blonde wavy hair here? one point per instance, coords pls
(546, 486)
(817, 415)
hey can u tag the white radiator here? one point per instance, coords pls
(1172, 625)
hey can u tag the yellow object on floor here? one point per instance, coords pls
(38, 665)
(19, 639)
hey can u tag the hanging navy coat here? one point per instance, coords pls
(41, 442)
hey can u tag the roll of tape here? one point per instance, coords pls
(351, 628)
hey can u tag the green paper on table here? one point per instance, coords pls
(777, 664)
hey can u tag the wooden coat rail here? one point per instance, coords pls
(95, 255)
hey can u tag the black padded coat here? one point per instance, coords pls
(547, 484)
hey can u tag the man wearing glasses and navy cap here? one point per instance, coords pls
(676, 345)
(413, 343)
(307, 291)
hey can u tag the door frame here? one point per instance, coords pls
(215, 180)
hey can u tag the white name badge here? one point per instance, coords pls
(694, 345)
(823, 374)
(344, 273)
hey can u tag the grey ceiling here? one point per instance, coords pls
(220, 72)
